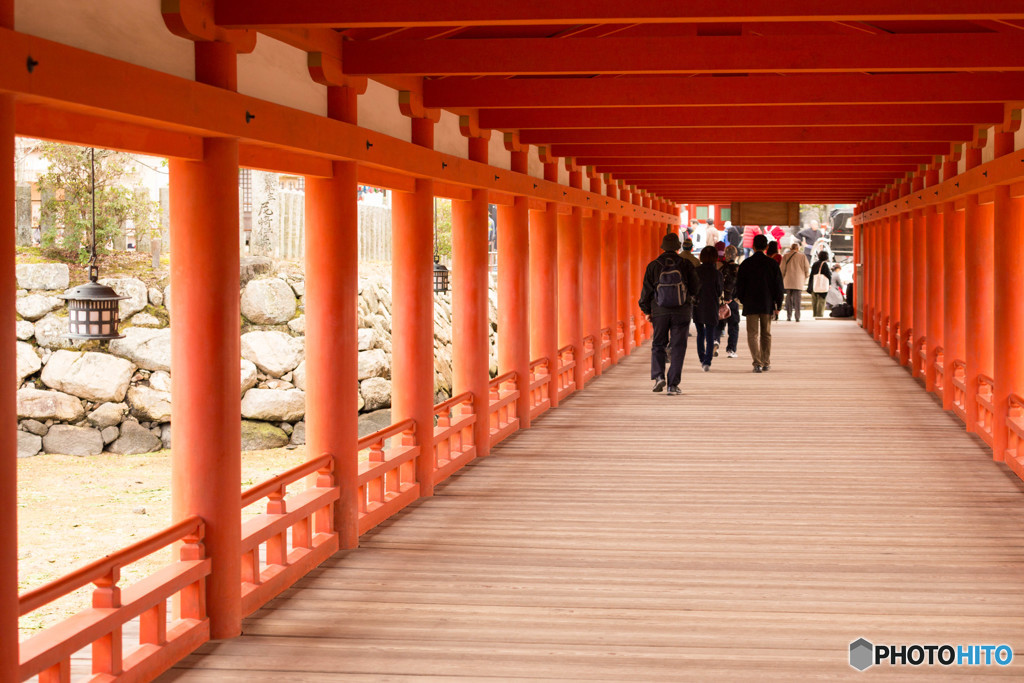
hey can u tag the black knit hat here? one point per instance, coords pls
(670, 242)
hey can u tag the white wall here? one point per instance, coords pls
(496, 153)
(278, 72)
(448, 137)
(132, 31)
(378, 110)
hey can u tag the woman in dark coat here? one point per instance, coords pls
(819, 268)
(705, 310)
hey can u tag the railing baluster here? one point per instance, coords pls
(106, 651)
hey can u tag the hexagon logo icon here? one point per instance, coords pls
(861, 654)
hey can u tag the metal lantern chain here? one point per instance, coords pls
(93, 308)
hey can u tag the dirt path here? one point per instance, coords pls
(73, 510)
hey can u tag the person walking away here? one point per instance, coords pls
(773, 253)
(795, 270)
(670, 283)
(817, 286)
(733, 235)
(712, 235)
(749, 233)
(759, 288)
(728, 269)
(688, 253)
(705, 311)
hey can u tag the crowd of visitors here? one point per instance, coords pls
(680, 287)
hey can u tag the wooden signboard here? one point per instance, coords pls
(766, 213)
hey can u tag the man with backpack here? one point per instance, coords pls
(670, 283)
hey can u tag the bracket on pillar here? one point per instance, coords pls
(194, 20)
(470, 128)
(571, 166)
(411, 104)
(512, 143)
(326, 69)
(1011, 119)
(546, 157)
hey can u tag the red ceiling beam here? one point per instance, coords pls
(726, 117)
(744, 149)
(612, 164)
(652, 178)
(410, 13)
(667, 55)
(702, 91)
(752, 134)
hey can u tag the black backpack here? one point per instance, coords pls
(671, 290)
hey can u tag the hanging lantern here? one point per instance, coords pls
(92, 307)
(440, 276)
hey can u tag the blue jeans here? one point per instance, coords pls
(706, 342)
(733, 322)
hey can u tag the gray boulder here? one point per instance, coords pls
(134, 289)
(373, 363)
(156, 297)
(161, 381)
(248, 375)
(97, 377)
(134, 439)
(147, 348)
(144, 320)
(274, 405)
(299, 376)
(165, 434)
(299, 434)
(27, 361)
(49, 405)
(275, 353)
(374, 422)
(252, 267)
(367, 338)
(24, 330)
(268, 302)
(29, 444)
(149, 405)
(259, 436)
(376, 392)
(167, 298)
(35, 306)
(110, 434)
(108, 415)
(51, 332)
(298, 326)
(49, 276)
(70, 440)
(34, 426)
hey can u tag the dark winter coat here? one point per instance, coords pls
(705, 310)
(818, 267)
(759, 285)
(651, 277)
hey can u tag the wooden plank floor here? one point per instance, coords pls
(749, 529)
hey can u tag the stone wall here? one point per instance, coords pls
(82, 398)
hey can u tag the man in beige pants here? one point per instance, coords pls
(759, 289)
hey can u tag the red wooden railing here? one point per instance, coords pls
(986, 410)
(504, 392)
(540, 386)
(940, 377)
(295, 533)
(589, 359)
(453, 446)
(620, 339)
(565, 382)
(959, 370)
(387, 480)
(606, 348)
(1014, 455)
(161, 643)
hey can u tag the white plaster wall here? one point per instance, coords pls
(130, 30)
(563, 175)
(448, 138)
(988, 152)
(496, 152)
(277, 72)
(378, 110)
(1018, 139)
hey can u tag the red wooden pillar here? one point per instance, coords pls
(624, 277)
(906, 270)
(934, 259)
(883, 249)
(206, 463)
(412, 312)
(1009, 309)
(470, 342)
(514, 292)
(592, 290)
(8, 436)
(858, 257)
(894, 283)
(544, 284)
(332, 353)
(609, 273)
(570, 268)
(953, 286)
(979, 304)
(920, 303)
